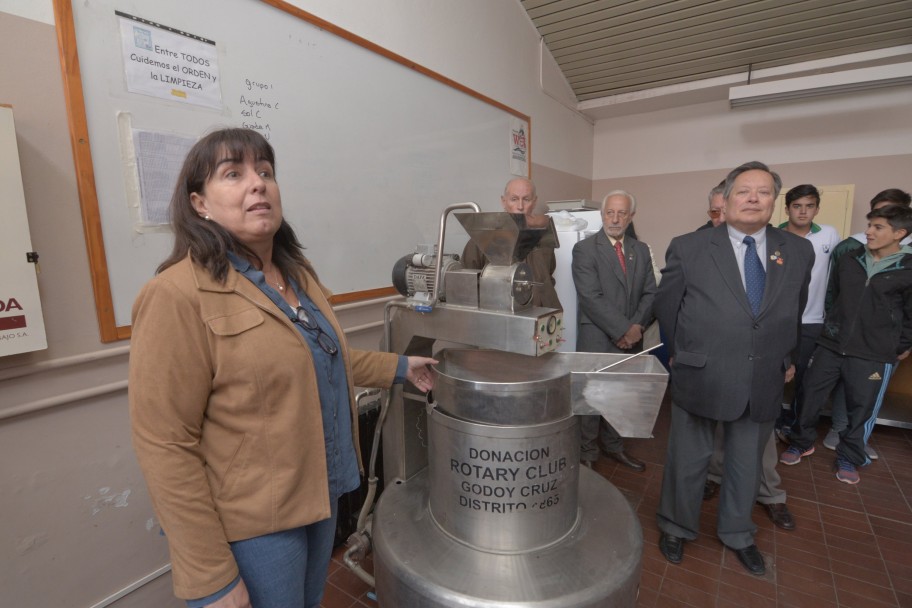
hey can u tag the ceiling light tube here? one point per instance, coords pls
(846, 81)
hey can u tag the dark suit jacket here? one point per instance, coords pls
(610, 301)
(724, 358)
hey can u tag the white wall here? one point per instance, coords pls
(78, 528)
(487, 45)
(36, 10)
(67, 538)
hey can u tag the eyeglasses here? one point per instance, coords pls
(715, 212)
(306, 321)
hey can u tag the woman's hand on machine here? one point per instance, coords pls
(420, 374)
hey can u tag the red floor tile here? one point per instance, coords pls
(851, 548)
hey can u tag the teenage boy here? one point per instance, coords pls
(838, 418)
(867, 330)
(802, 204)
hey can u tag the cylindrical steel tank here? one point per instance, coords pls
(504, 489)
(503, 516)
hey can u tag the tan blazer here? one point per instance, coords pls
(226, 416)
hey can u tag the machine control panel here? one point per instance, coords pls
(548, 332)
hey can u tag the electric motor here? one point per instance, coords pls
(414, 273)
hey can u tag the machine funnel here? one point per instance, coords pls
(507, 238)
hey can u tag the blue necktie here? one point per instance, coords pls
(754, 275)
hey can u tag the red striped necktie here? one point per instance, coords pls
(620, 251)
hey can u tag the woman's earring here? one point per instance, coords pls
(206, 217)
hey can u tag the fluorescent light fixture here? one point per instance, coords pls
(846, 81)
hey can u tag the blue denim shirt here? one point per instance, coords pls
(335, 407)
(332, 386)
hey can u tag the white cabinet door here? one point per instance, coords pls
(21, 323)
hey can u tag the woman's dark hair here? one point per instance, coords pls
(207, 242)
(800, 192)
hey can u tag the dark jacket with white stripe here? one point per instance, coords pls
(870, 318)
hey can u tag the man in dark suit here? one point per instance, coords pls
(730, 306)
(615, 285)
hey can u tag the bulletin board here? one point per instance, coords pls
(370, 146)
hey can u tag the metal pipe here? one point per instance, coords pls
(133, 586)
(354, 329)
(355, 567)
(43, 404)
(360, 539)
(51, 364)
(643, 352)
(439, 264)
(23, 371)
(365, 303)
(30, 369)
(371, 476)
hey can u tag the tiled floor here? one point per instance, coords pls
(852, 547)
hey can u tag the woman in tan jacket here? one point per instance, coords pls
(241, 395)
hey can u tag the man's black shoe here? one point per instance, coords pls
(710, 489)
(780, 515)
(627, 460)
(671, 547)
(752, 560)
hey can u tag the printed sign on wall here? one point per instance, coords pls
(21, 323)
(519, 147)
(170, 64)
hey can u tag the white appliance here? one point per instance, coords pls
(572, 226)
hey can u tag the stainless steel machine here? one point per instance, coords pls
(485, 503)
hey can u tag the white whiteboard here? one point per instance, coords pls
(369, 151)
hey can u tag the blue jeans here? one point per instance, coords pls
(286, 569)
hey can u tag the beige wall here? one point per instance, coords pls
(554, 185)
(671, 158)
(78, 528)
(77, 524)
(672, 204)
(713, 136)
